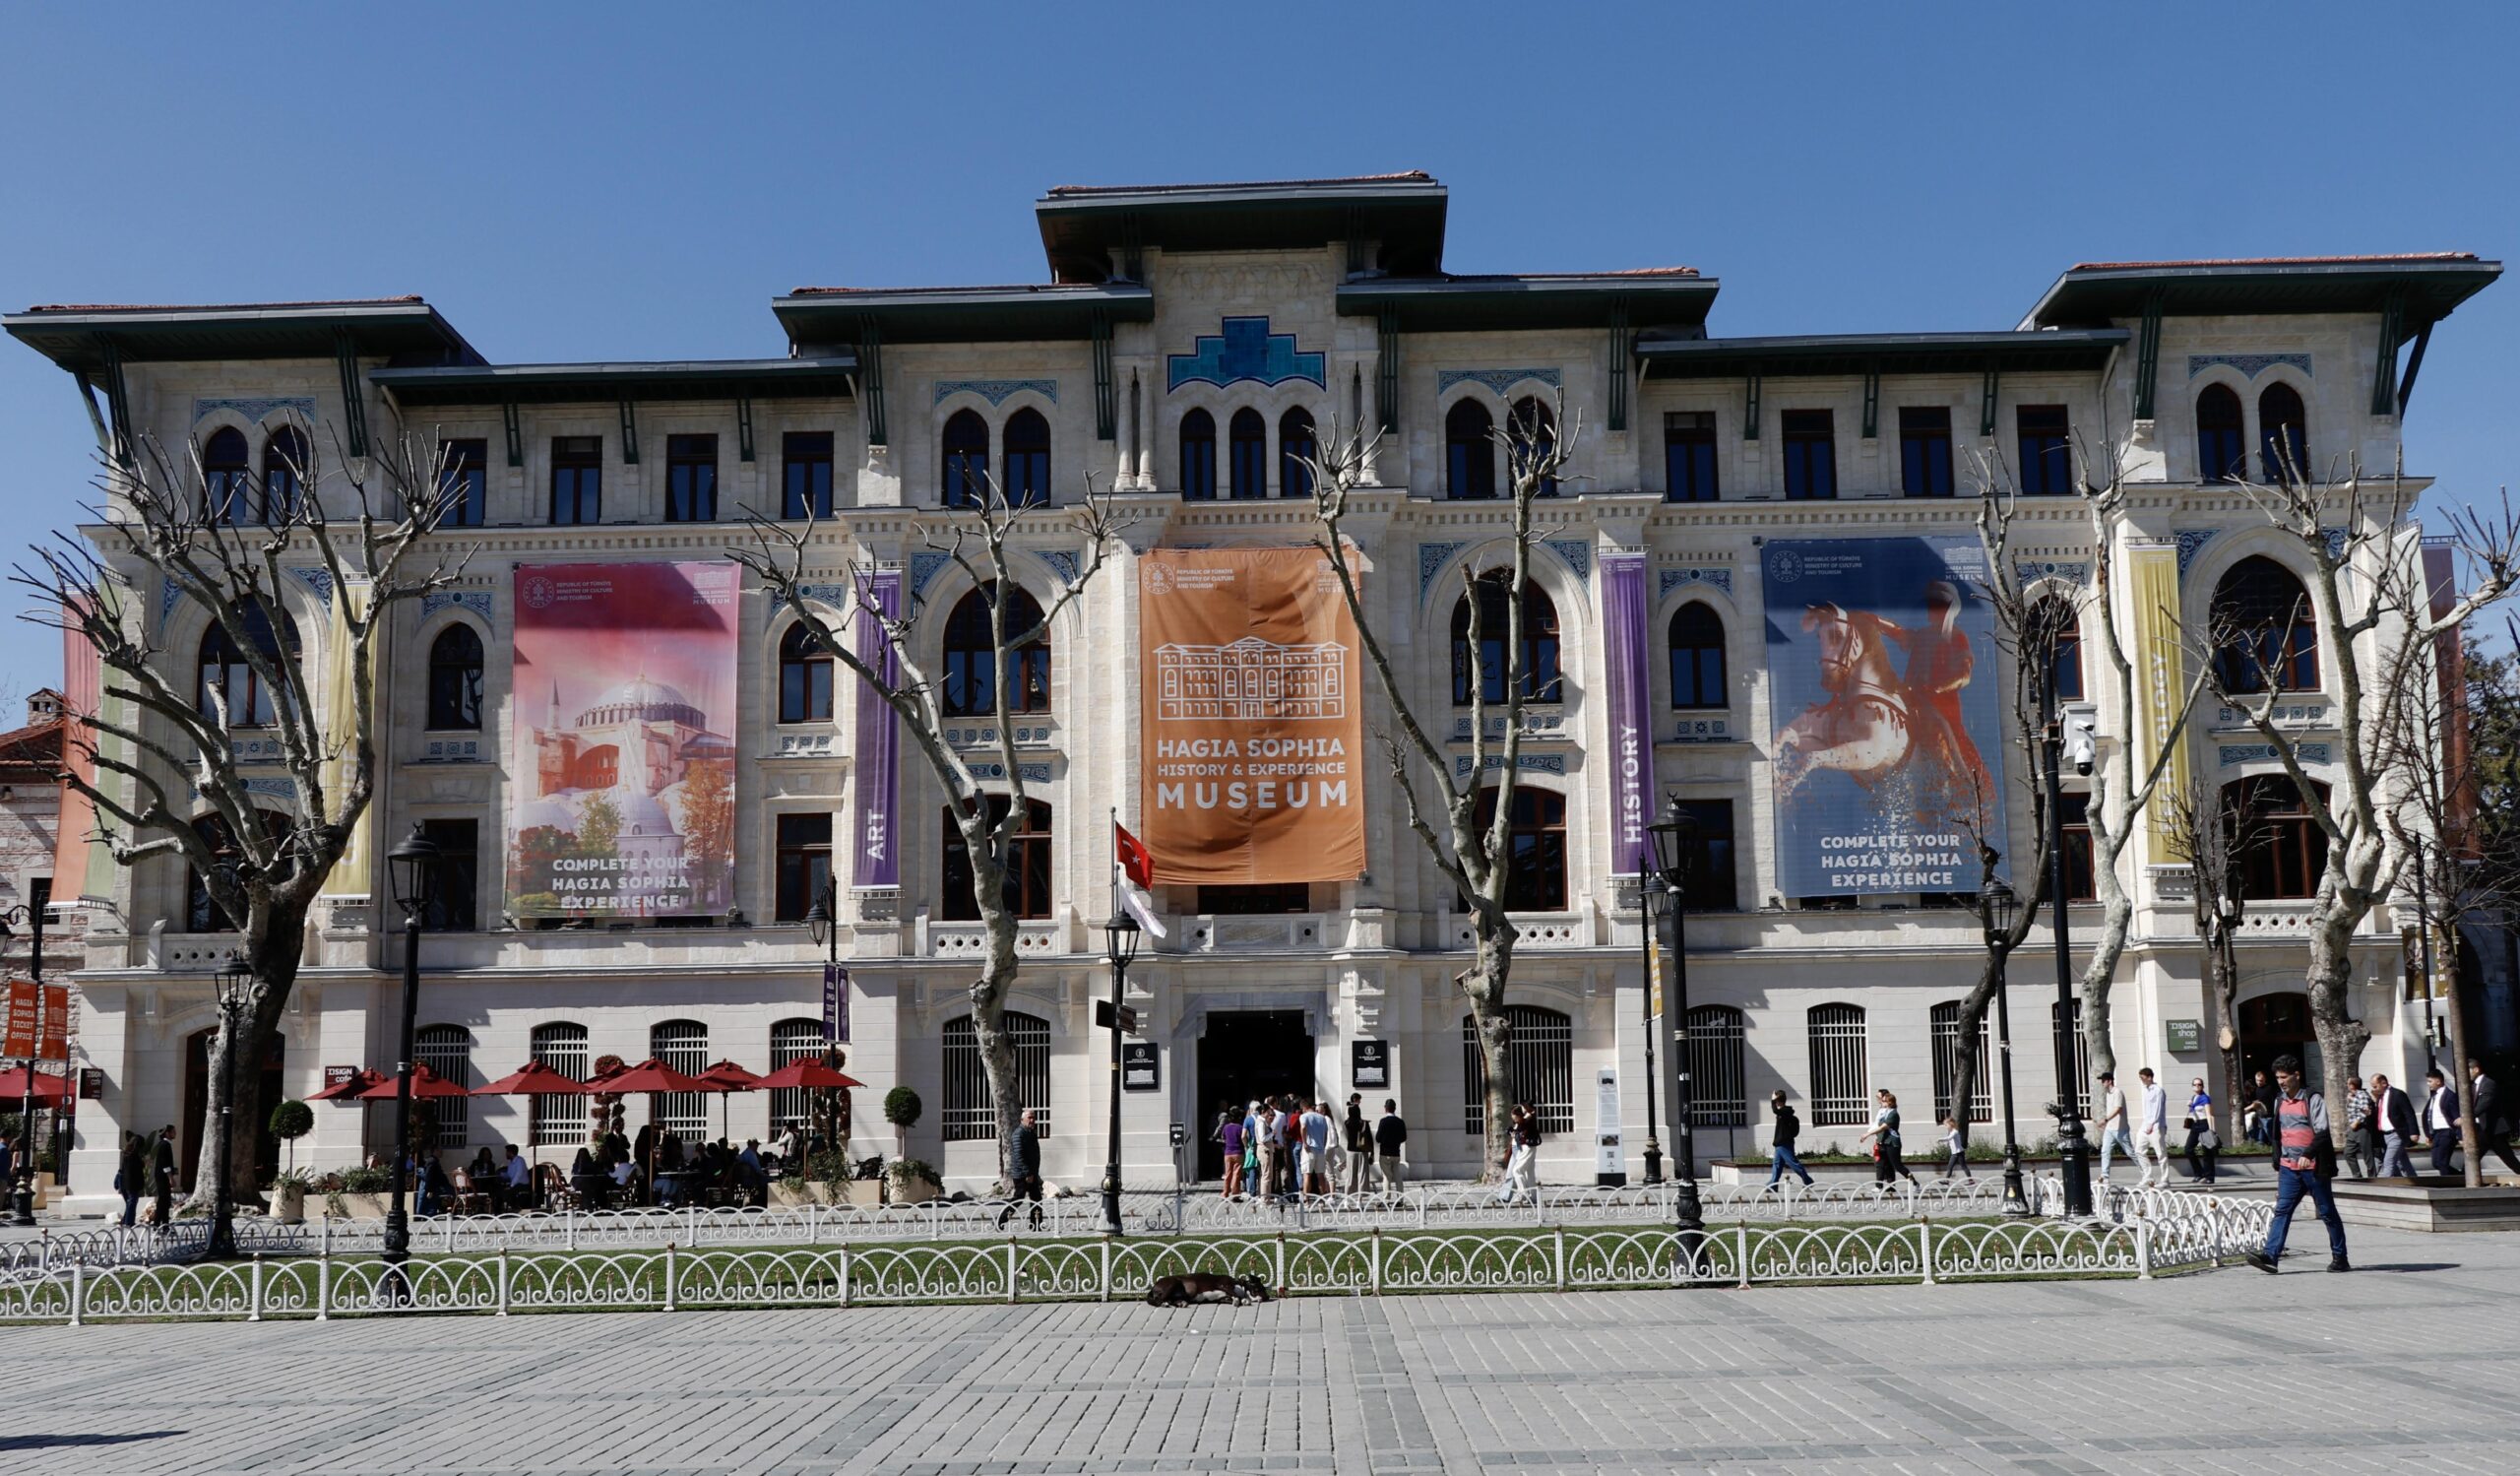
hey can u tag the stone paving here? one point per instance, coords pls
(2406, 1365)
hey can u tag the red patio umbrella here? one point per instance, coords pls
(651, 1076)
(15, 1087)
(726, 1076)
(348, 1091)
(534, 1080)
(424, 1083)
(809, 1074)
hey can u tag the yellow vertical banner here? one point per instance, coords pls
(349, 875)
(2160, 683)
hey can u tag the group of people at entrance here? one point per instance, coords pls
(1278, 1147)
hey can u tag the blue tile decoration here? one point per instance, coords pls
(2250, 364)
(1033, 773)
(1497, 381)
(454, 751)
(1668, 580)
(2075, 572)
(260, 750)
(256, 409)
(2190, 540)
(1061, 560)
(1577, 553)
(476, 601)
(1524, 763)
(318, 580)
(923, 568)
(1431, 559)
(167, 594)
(2336, 538)
(995, 390)
(1246, 349)
(277, 788)
(2312, 753)
(2259, 753)
(833, 594)
(1702, 729)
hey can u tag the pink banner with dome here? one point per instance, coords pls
(622, 775)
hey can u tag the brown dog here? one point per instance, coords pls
(1205, 1286)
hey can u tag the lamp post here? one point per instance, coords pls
(236, 984)
(1121, 937)
(413, 866)
(822, 921)
(22, 1207)
(1673, 835)
(1649, 903)
(1999, 906)
(2071, 1146)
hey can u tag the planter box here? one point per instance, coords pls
(796, 1193)
(911, 1191)
(361, 1207)
(288, 1206)
(863, 1193)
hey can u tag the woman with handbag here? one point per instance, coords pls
(1884, 1132)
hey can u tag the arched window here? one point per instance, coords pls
(2054, 621)
(2218, 435)
(2283, 435)
(558, 1118)
(1535, 438)
(227, 480)
(1028, 864)
(1028, 459)
(970, 658)
(202, 911)
(1839, 1095)
(970, 1112)
(1944, 1020)
(684, 1045)
(447, 1050)
(283, 474)
(1697, 658)
(1199, 455)
(792, 1041)
(2276, 839)
(1470, 452)
(1719, 1093)
(1247, 436)
(226, 676)
(804, 677)
(1297, 448)
(1535, 848)
(1540, 1060)
(1541, 677)
(455, 679)
(2265, 633)
(964, 481)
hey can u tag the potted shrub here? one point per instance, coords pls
(292, 1120)
(908, 1181)
(364, 1192)
(901, 1108)
(288, 1195)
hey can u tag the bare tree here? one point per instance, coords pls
(2367, 606)
(2211, 834)
(978, 539)
(165, 747)
(1473, 854)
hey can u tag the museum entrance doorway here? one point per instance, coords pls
(1245, 1055)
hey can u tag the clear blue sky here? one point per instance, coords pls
(636, 181)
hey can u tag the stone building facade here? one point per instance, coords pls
(1185, 338)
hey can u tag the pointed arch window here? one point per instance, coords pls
(202, 910)
(2265, 633)
(1697, 658)
(963, 481)
(2218, 435)
(2055, 621)
(804, 677)
(1028, 459)
(1470, 452)
(1535, 438)
(1539, 653)
(226, 481)
(455, 679)
(2283, 435)
(970, 658)
(1297, 448)
(284, 465)
(226, 675)
(1247, 438)
(1199, 455)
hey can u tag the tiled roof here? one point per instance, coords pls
(36, 748)
(1404, 176)
(2275, 261)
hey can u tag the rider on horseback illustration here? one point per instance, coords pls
(1900, 735)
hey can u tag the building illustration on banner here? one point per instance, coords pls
(1250, 679)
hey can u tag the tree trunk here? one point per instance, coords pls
(2341, 1037)
(2471, 1131)
(274, 956)
(2223, 1018)
(2117, 911)
(1487, 991)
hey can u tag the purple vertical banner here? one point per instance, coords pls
(835, 1003)
(879, 756)
(1623, 625)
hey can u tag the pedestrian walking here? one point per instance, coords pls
(1788, 1127)
(2152, 1133)
(2395, 1116)
(162, 1172)
(1359, 1145)
(1229, 1140)
(2494, 1132)
(2440, 1119)
(2305, 1161)
(1955, 1148)
(1522, 1162)
(1024, 1171)
(1391, 1134)
(1884, 1132)
(131, 1176)
(2202, 1140)
(2113, 1134)
(2361, 1140)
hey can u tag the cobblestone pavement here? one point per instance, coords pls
(2406, 1365)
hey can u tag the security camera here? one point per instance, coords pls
(2079, 725)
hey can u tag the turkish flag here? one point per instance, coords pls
(1136, 862)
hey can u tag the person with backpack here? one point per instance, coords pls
(2305, 1161)
(1789, 1126)
(1391, 1134)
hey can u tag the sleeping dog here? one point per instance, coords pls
(1205, 1286)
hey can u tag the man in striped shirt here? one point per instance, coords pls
(2301, 1167)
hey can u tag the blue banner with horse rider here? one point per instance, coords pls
(1887, 730)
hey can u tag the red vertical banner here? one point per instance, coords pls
(54, 1043)
(20, 1034)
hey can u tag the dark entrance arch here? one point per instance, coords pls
(2273, 1025)
(189, 1132)
(1242, 1055)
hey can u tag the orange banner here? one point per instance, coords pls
(20, 1033)
(54, 1043)
(1252, 717)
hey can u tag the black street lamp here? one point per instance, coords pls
(1121, 937)
(22, 1207)
(413, 867)
(1649, 904)
(1999, 905)
(235, 984)
(1674, 837)
(2071, 1146)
